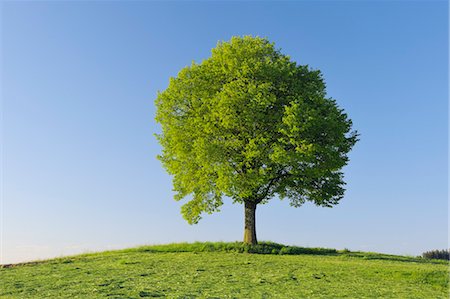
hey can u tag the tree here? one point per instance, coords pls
(249, 124)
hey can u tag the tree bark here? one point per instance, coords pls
(250, 223)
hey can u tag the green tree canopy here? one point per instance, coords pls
(250, 124)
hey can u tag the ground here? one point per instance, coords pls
(156, 272)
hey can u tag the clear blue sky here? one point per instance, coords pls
(79, 81)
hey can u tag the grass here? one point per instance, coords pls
(227, 270)
(238, 247)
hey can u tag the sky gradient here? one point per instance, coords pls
(79, 79)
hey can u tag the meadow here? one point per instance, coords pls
(227, 270)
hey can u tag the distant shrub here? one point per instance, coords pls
(437, 254)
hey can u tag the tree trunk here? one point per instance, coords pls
(250, 223)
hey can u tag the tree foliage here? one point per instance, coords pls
(250, 124)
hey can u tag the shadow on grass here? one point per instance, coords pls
(238, 247)
(388, 257)
(279, 249)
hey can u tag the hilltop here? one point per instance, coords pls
(227, 270)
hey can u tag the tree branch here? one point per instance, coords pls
(270, 184)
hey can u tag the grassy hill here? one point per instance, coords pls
(227, 270)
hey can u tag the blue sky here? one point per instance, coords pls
(79, 81)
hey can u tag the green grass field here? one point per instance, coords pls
(227, 270)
